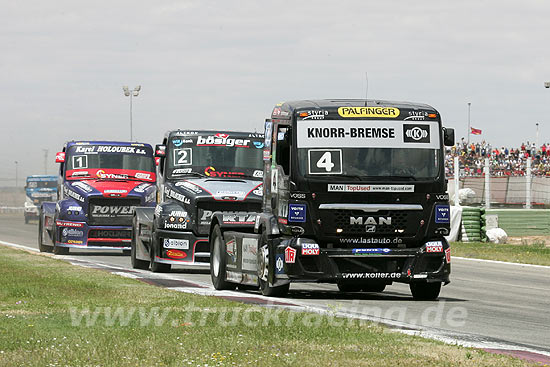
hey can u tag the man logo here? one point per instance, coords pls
(416, 133)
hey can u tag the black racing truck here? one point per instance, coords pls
(199, 173)
(354, 194)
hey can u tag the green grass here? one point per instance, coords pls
(37, 294)
(536, 253)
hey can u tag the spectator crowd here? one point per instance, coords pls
(502, 161)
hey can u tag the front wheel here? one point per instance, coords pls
(218, 271)
(41, 246)
(157, 267)
(425, 291)
(136, 263)
(264, 272)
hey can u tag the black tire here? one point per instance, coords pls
(136, 263)
(218, 261)
(41, 246)
(425, 291)
(349, 287)
(264, 271)
(374, 288)
(155, 266)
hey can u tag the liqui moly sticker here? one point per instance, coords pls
(434, 246)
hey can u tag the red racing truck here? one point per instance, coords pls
(100, 184)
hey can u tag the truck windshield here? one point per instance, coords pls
(110, 161)
(216, 155)
(41, 184)
(370, 162)
(369, 148)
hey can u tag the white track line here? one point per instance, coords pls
(502, 262)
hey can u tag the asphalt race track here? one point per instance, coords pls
(498, 306)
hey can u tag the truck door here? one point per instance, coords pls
(280, 171)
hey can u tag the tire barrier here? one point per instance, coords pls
(471, 228)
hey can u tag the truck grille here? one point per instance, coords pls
(114, 212)
(402, 223)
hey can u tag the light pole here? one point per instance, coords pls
(131, 93)
(16, 179)
(469, 129)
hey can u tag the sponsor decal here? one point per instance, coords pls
(371, 275)
(434, 246)
(102, 174)
(279, 264)
(182, 171)
(142, 187)
(111, 191)
(71, 232)
(367, 251)
(370, 220)
(258, 173)
(112, 210)
(417, 115)
(60, 157)
(314, 115)
(283, 220)
(158, 210)
(61, 223)
(74, 208)
(310, 249)
(82, 186)
(109, 233)
(174, 225)
(369, 188)
(75, 242)
(141, 175)
(109, 149)
(176, 244)
(384, 112)
(173, 194)
(239, 218)
(259, 191)
(259, 144)
(297, 196)
(222, 140)
(176, 254)
(366, 134)
(442, 197)
(290, 255)
(297, 213)
(250, 256)
(177, 142)
(178, 213)
(189, 187)
(267, 155)
(442, 214)
(72, 194)
(448, 255)
(371, 241)
(416, 133)
(211, 172)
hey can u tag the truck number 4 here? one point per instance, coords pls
(326, 162)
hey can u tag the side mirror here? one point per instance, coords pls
(160, 151)
(448, 136)
(60, 157)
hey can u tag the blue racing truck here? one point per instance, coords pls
(100, 184)
(38, 188)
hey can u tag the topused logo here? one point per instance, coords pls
(370, 220)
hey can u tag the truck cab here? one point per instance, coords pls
(354, 194)
(100, 183)
(200, 172)
(38, 188)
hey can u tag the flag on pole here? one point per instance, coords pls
(474, 131)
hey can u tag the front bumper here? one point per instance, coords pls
(182, 248)
(81, 235)
(376, 265)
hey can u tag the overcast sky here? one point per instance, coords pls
(224, 64)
